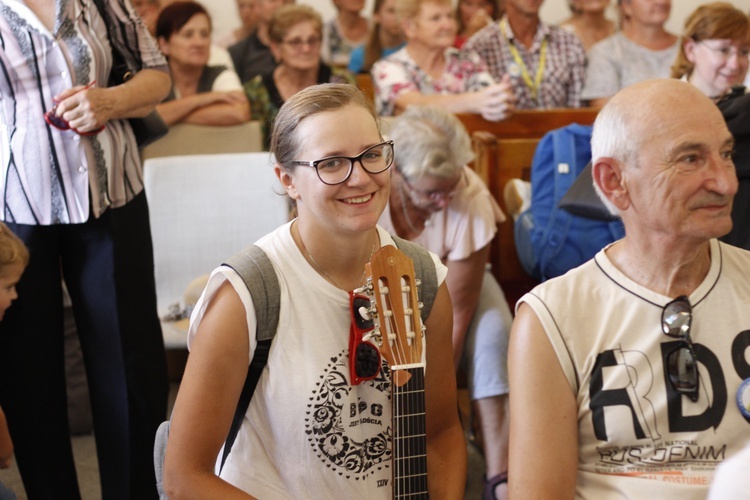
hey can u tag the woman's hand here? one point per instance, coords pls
(497, 101)
(86, 108)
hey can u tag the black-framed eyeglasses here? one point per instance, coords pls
(364, 356)
(337, 169)
(682, 364)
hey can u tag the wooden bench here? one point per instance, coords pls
(504, 151)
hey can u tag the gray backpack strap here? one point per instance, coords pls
(256, 270)
(424, 269)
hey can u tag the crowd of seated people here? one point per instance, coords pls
(489, 58)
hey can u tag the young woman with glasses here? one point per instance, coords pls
(713, 57)
(296, 33)
(309, 432)
(714, 52)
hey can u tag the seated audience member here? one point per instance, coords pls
(625, 370)
(149, 11)
(248, 11)
(589, 22)
(201, 94)
(252, 56)
(642, 49)
(713, 57)
(439, 202)
(429, 70)
(295, 32)
(346, 31)
(546, 63)
(714, 48)
(385, 38)
(309, 431)
(472, 16)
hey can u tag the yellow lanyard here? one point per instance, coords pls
(533, 85)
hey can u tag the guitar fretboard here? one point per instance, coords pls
(409, 443)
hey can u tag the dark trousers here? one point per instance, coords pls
(107, 265)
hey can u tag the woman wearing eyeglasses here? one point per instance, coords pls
(713, 56)
(441, 204)
(714, 52)
(309, 432)
(296, 32)
(201, 94)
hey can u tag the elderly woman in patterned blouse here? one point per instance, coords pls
(429, 70)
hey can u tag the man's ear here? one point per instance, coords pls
(287, 181)
(607, 174)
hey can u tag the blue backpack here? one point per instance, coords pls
(550, 240)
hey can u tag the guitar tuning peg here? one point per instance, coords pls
(420, 305)
(418, 282)
(365, 313)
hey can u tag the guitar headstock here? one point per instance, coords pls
(395, 310)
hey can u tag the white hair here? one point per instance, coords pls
(430, 141)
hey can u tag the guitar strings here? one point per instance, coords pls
(407, 468)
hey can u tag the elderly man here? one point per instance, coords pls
(625, 372)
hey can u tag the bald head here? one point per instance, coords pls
(643, 110)
(662, 158)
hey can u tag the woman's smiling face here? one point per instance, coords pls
(354, 205)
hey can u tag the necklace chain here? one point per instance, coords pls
(323, 271)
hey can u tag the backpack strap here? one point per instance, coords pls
(424, 269)
(564, 157)
(256, 270)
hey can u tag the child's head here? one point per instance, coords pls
(13, 260)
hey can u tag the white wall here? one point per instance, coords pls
(225, 18)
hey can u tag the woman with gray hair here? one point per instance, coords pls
(441, 204)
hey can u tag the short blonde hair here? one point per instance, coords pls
(12, 249)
